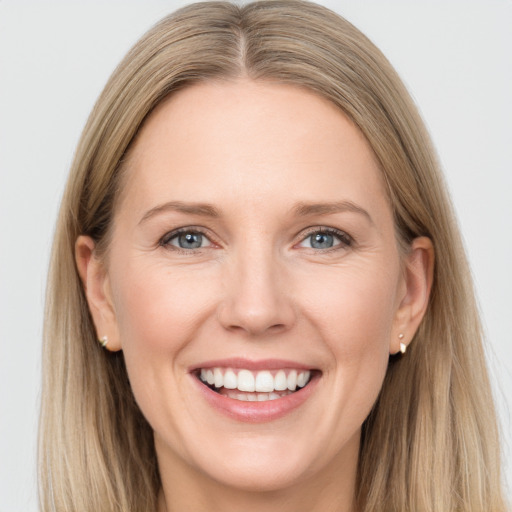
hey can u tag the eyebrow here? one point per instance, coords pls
(310, 209)
(201, 209)
(301, 209)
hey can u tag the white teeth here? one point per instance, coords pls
(301, 379)
(292, 380)
(230, 380)
(218, 378)
(280, 381)
(256, 397)
(245, 380)
(262, 382)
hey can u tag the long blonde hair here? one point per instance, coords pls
(431, 441)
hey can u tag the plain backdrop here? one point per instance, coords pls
(454, 56)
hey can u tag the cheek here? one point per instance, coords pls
(159, 313)
(354, 314)
(159, 310)
(354, 309)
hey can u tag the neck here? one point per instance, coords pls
(329, 490)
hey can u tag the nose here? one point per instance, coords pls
(257, 298)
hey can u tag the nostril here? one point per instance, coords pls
(253, 323)
(256, 308)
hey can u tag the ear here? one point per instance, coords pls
(96, 285)
(418, 275)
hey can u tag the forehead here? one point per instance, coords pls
(251, 141)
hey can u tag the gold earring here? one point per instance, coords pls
(103, 341)
(403, 346)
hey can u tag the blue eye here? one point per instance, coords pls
(187, 240)
(323, 239)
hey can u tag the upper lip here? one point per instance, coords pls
(251, 364)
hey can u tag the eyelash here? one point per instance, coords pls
(344, 239)
(166, 239)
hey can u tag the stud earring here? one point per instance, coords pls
(403, 346)
(103, 341)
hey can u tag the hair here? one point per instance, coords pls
(431, 440)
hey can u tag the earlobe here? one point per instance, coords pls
(96, 285)
(418, 278)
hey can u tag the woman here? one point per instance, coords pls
(256, 231)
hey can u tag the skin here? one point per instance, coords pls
(256, 289)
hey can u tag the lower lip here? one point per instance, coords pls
(257, 412)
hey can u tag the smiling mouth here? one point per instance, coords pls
(254, 386)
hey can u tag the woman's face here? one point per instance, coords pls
(254, 247)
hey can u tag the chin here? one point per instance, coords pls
(256, 472)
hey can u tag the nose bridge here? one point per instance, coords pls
(256, 299)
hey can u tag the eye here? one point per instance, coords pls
(324, 239)
(186, 239)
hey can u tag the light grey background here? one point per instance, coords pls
(455, 56)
